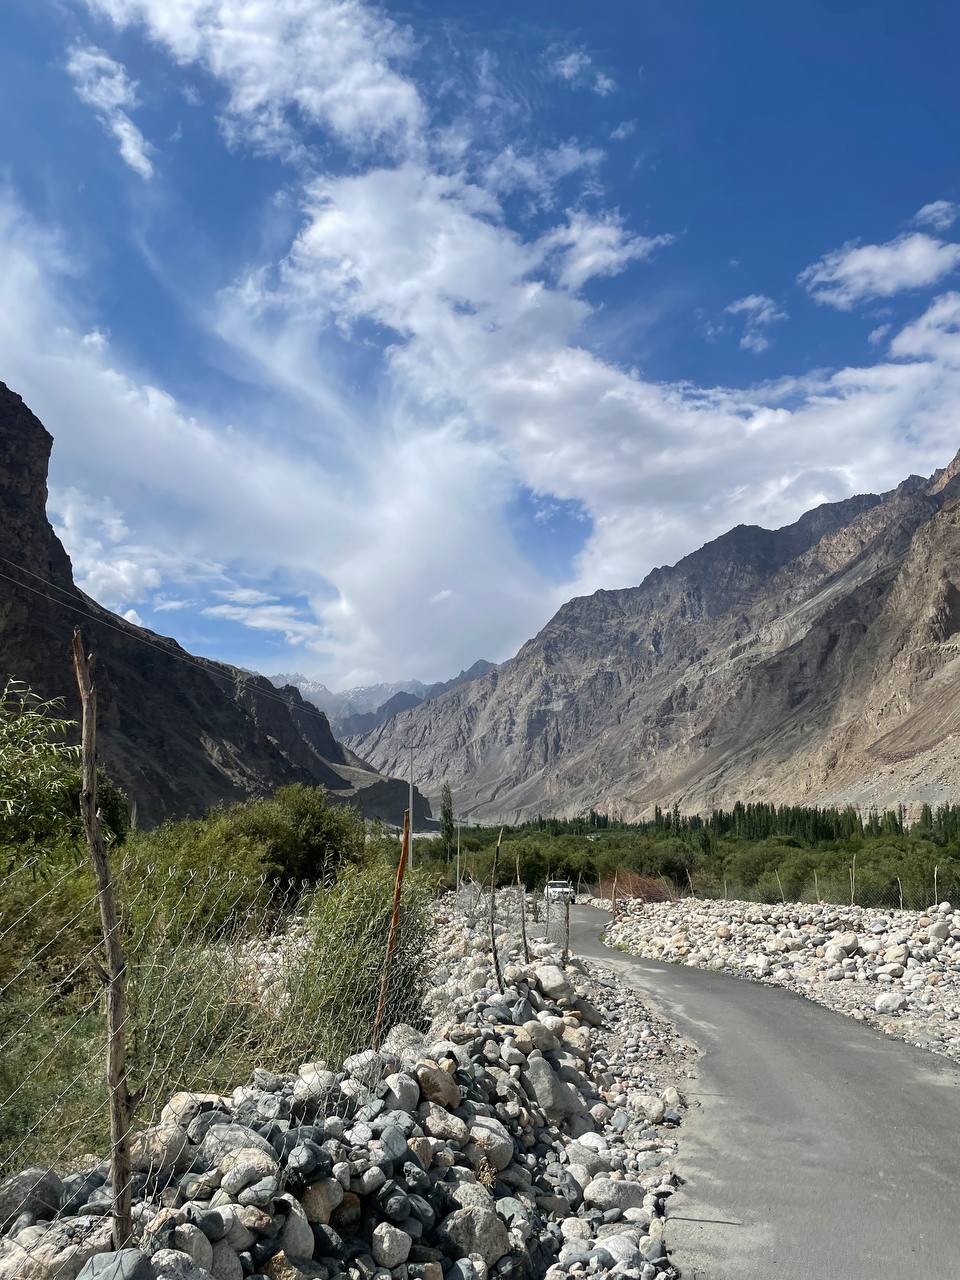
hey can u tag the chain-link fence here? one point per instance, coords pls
(845, 886)
(520, 919)
(223, 976)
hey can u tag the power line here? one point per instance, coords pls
(303, 707)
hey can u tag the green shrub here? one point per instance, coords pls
(40, 783)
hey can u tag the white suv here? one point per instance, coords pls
(558, 891)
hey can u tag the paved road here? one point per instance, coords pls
(820, 1148)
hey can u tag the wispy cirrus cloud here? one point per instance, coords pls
(576, 68)
(287, 63)
(103, 84)
(939, 214)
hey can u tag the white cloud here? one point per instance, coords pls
(322, 62)
(939, 214)
(131, 615)
(246, 596)
(104, 85)
(576, 68)
(295, 627)
(760, 312)
(479, 380)
(445, 594)
(486, 348)
(570, 66)
(624, 130)
(539, 171)
(368, 523)
(858, 272)
(485, 387)
(589, 246)
(108, 564)
(877, 335)
(934, 335)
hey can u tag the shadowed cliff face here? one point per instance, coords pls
(179, 733)
(808, 664)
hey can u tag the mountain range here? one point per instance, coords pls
(178, 732)
(817, 663)
(357, 711)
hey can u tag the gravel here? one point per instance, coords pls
(899, 970)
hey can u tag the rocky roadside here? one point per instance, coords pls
(898, 970)
(523, 1134)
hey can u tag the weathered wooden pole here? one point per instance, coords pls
(392, 935)
(523, 914)
(114, 974)
(493, 900)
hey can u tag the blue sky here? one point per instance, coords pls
(368, 335)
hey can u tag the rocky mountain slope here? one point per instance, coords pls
(179, 733)
(816, 663)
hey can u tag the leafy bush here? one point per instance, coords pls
(294, 835)
(40, 782)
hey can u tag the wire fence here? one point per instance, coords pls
(520, 919)
(847, 886)
(224, 977)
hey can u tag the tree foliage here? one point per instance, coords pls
(40, 780)
(447, 830)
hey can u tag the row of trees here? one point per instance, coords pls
(297, 834)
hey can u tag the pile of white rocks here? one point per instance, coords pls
(519, 1133)
(899, 970)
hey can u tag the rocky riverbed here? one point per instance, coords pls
(520, 1133)
(899, 970)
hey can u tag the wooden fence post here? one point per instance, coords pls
(392, 935)
(521, 889)
(493, 899)
(114, 975)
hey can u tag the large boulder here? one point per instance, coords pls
(162, 1146)
(490, 1140)
(34, 1190)
(391, 1246)
(222, 1138)
(890, 1002)
(125, 1264)
(438, 1086)
(55, 1252)
(553, 982)
(555, 1098)
(614, 1193)
(474, 1230)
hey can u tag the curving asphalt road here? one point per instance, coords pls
(820, 1148)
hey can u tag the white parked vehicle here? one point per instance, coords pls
(558, 891)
